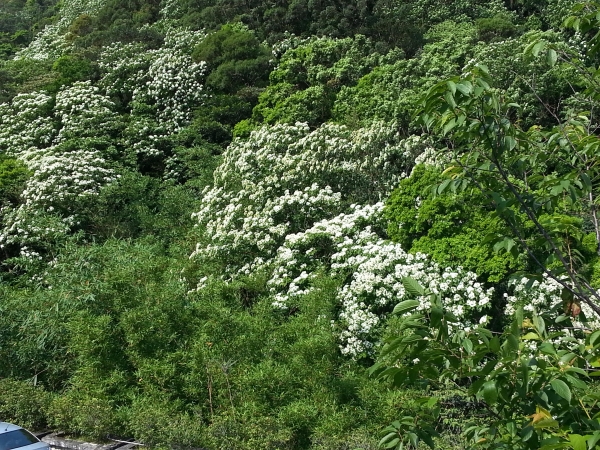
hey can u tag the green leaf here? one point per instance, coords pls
(412, 338)
(561, 388)
(537, 48)
(388, 437)
(450, 99)
(412, 287)
(510, 142)
(595, 336)
(576, 382)
(539, 324)
(392, 443)
(531, 336)
(511, 344)
(449, 126)
(546, 423)
(495, 344)
(436, 316)
(578, 442)
(592, 441)
(490, 392)
(467, 345)
(413, 438)
(551, 57)
(428, 440)
(442, 186)
(568, 357)
(451, 86)
(405, 306)
(526, 433)
(577, 370)
(465, 87)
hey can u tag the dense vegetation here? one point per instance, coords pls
(301, 224)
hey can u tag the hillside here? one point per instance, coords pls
(301, 224)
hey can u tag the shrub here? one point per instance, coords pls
(24, 403)
(83, 414)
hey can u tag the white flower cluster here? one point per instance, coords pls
(536, 297)
(164, 86)
(61, 183)
(28, 226)
(351, 245)
(183, 39)
(298, 202)
(84, 112)
(430, 155)
(285, 178)
(377, 283)
(51, 142)
(173, 87)
(302, 254)
(63, 179)
(171, 9)
(123, 67)
(51, 42)
(289, 41)
(26, 123)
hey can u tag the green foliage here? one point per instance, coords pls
(243, 128)
(26, 75)
(140, 205)
(83, 415)
(215, 119)
(117, 21)
(19, 19)
(451, 228)
(158, 421)
(530, 381)
(392, 91)
(509, 168)
(304, 84)
(70, 69)
(24, 403)
(235, 59)
(116, 331)
(495, 28)
(543, 90)
(13, 175)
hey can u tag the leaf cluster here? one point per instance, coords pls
(534, 387)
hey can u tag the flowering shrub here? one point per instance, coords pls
(84, 112)
(122, 67)
(51, 42)
(296, 202)
(285, 178)
(61, 184)
(57, 144)
(351, 246)
(35, 121)
(61, 140)
(530, 382)
(172, 88)
(536, 297)
(26, 123)
(161, 87)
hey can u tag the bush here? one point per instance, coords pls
(13, 177)
(495, 28)
(83, 414)
(24, 404)
(158, 422)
